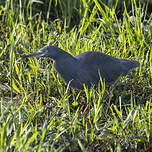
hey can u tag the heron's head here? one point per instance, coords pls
(47, 51)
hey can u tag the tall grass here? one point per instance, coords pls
(39, 112)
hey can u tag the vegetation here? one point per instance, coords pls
(39, 112)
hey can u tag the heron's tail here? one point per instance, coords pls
(133, 64)
(129, 65)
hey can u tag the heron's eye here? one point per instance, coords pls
(43, 50)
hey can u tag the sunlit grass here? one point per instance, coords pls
(39, 112)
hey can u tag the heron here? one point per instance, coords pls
(87, 68)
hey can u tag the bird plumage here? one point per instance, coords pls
(87, 67)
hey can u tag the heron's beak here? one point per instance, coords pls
(40, 53)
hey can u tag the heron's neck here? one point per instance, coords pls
(62, 55)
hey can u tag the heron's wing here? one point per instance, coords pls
(93, 63)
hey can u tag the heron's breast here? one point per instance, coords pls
(67, 70)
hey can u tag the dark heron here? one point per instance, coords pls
(86, 68)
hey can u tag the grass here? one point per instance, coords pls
(39, 112)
